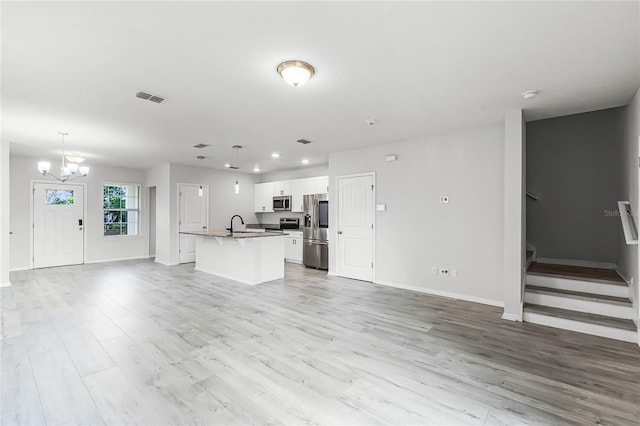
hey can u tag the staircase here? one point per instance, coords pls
(587, 300)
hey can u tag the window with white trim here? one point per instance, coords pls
(121, 205)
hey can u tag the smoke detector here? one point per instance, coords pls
(530, 94)
(371, 122)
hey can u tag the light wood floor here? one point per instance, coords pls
(576, 272)
(137, 342)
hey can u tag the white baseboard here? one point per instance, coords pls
(512, 317)
(574, 262)
(165, 262)
(299, 262)
(450, 295)
(5, 284)
(20, 268)
(116, 259)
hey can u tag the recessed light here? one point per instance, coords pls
(275, 155)
(530, 94)
(305, 161)
(227, 165)
(256, 169)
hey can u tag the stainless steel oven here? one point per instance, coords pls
(282, 203)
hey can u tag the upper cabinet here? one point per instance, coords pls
(263, 197)
(282, 188)
(322, 185)
(300, 188)
(297, 189)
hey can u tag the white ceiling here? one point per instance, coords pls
(418, 68)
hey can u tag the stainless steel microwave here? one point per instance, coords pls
(282, 203)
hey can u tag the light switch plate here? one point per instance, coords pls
(381, 207)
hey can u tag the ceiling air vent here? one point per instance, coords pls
(201, 157)
(234, 167)
(151, 98)
(201, 145)
(303, 141)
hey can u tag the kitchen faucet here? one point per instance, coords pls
(233, 217)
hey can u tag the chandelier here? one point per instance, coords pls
(70, 169)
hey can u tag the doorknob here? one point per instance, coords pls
(339, 232)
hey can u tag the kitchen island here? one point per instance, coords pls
(248, 257)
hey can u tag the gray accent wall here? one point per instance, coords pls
(573, 165)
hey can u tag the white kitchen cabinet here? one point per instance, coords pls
(300, 188)
(293, 247)
(322, 185)
(263, 197)
(282, 188)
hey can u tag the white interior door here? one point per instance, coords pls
(194, 216)
(355, 227)
(58, 224)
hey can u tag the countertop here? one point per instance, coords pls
(235, 235)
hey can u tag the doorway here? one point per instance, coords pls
(58, 224)
(355, 244)
(194, 216)
(152, 221)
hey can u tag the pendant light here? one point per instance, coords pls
(68, 171)
(236, 188)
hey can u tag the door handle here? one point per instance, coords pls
(339, 232)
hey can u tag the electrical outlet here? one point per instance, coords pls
(444, 272)
(434, 270)
(444, 199)
(454, 272)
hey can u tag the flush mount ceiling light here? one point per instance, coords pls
(295, 73)
(275, 155)
(75, 158)
(530, 94)
(68, 171)
(256, 169)
(305, 161)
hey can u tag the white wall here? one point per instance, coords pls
(417, 232)
(5, 224)
(629, 191)
(159, 177)
(514, 244)
(295, 174)
(99, 248)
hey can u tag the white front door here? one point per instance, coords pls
(58, 224)
(355, 227)
(194, 216)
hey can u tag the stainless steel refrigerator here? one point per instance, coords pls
(315, 231)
